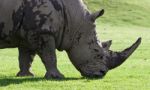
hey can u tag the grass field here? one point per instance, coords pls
(124, 22)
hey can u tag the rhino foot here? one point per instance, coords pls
(23, 74)
(54, 75)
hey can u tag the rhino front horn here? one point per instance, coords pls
(96, 15)
(117, 58)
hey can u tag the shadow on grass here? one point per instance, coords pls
(12, 80)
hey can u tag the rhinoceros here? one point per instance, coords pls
(42, 26)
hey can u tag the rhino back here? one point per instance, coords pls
(60, 18)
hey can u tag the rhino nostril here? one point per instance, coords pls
(102, 72)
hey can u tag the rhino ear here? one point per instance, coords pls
(106, 45)
(96, 15)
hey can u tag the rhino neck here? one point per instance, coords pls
(74, 15)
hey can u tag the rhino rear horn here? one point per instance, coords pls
(117, 58)
(106, 45)
(96, 15)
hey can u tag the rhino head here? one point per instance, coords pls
(93, 58)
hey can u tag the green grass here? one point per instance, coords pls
(122, 12)
(121, 23)
(133, 74)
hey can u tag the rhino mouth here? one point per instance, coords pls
(99, 74)
(93, 71)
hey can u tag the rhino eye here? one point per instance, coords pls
(99, 56)
(96, 50)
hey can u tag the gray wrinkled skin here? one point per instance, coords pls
(42, 26)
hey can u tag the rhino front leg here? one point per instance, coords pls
(25, 60)
(48, 56)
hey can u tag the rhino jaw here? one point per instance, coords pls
(99, 74)
(117, 58)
